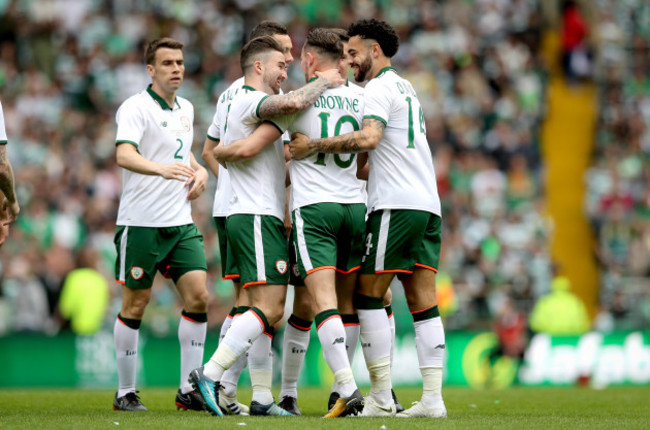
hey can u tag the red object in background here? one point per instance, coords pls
(574, 28)
(511, 331)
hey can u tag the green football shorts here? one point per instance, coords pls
(398, 240)
(228, 266)
(141, 251)
(259, 245)
(329, 236)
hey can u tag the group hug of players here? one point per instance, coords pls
(363, 205)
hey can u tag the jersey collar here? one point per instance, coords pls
(163, 104)
(249, 88)
(384, 70)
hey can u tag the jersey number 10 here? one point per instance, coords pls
(324, 117)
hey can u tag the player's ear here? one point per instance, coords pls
(150, 70)
(311, 58)
(259, 68)
(375, 50)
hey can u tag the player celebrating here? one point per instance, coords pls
(228, 390)
(403, 229)
(254, 225)
(328, 208)
(155, 231)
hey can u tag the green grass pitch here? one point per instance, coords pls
(515, 408)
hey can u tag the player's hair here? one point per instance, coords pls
(325, 42)
(267, 28)
(341, 33)
(254, 48)
(380, 31)
(154, 45)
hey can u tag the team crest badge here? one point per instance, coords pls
(281, 266)
(137, 272)
(296, 270)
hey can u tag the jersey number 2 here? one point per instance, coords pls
(180, 146)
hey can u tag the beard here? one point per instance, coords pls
(363, 69)
(271, 82)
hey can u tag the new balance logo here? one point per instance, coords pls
(130, 353)
(441, 346)
(197, 344)
(295, 350)
(164, 123)
(366, 345)
(338, 340)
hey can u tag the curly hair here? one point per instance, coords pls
(380, 31)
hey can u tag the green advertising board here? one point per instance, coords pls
(89, 361)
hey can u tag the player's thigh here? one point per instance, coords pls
(137, 256)
(184, 251)
(260, 249)
(393, 239)
(228, 266)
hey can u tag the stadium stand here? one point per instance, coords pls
(66, 65)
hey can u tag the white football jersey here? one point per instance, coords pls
(163, 134)
(324, 177)
(401, 167)
(258, 184)
(223, 194)
(3, 132)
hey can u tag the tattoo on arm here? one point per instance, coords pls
(358, 141)
(286, 104)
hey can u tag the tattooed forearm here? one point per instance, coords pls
(287, 104)
(358, 141)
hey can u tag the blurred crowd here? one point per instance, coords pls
(66, 65)
(618, 195)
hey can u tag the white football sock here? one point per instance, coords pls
(241, 334)
(430, 343)
(230, 377)
(191, 335)
(126, 352)
(375, 342)
(260, 364)
(332, 339)
(294, 347)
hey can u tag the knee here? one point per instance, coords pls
(302, 305)
(274, 314)
(197, 302)
(135, 307)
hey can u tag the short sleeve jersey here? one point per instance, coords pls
(401, 167)
(3, 132)
(258, 184)
(163, 134)
(223, 194)
(324, 177)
